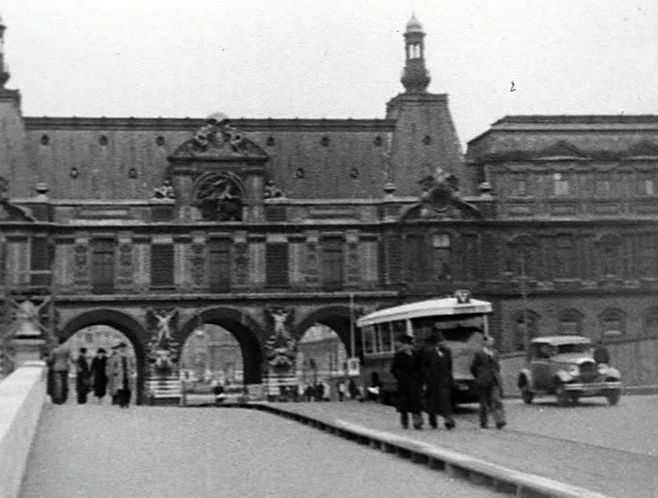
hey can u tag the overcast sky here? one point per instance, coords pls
(333, 58)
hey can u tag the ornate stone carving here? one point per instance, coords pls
(271, 191)
(81, 263)
(219, 197)
(280, 347)
(125, 270)
(217, 134)
(241, 268)
(164, 191)
(439, 195)
(163, 349)
(198, 260)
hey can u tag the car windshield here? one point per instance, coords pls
(574, 348)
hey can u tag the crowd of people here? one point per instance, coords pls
(103, 374)
(424, 378)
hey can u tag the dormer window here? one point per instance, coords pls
(560, 184)
(519, 185)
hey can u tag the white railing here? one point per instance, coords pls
(22, 396)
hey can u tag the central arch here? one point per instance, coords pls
(245, 330)
(336, 318)
(122, 322)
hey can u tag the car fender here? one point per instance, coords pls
(563, 376)
(527, 374)
(613, 372)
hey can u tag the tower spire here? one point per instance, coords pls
(4, 69)
(415, 77)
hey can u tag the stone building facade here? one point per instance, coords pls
(266, 227)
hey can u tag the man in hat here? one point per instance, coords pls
(436, 364)
(82, 376)
(485, 368)
(61, 360)
(121, 372)
(408, 374)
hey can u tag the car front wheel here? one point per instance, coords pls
(613, 397)
(562, 395)
(527, 394)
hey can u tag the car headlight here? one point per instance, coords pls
(603, 368)
(572, 370)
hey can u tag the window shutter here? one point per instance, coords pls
(332, 263)
(102, 264)
(162, 265)
(39, 262)
(219, 261)
(276, 264)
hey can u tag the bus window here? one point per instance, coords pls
(369, 339)
(399, 328)
(386, 337)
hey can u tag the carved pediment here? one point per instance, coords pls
(441, 200)
(562, 151)
(643, 150)
(218, 141)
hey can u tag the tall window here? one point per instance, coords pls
(276, 264)
(40, 261)
(332, 263)
(571, 322)
(646, 260)
(610, 255)
(524, 257)
(525, 328)
(560, 184)
(519, 184)
(564, 257)
(602, 185)
(417, 258)
(219, 262)
(441, 252)
(612, 323)
(102, 266)
(162, 266)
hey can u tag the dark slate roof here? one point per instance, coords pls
(326, 149)
(570, 137)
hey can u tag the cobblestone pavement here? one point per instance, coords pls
(102, 451)
(610, 450)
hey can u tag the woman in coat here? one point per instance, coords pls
(121, 375)
(407, 372)
(436, 362)
(99, 375)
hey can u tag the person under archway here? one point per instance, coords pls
(121, 375)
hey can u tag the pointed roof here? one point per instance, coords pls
(414, 25)
(562, 150)
(643, 149)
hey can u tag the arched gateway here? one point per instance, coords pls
(122, 322)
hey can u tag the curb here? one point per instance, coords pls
(457, 465)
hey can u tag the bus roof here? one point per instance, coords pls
(447, 306)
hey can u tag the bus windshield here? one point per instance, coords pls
(453, 328)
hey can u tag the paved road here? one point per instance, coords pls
(610, 450)
(103, 451)
(631, 426)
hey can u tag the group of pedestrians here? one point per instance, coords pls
(103, 374)
(425, 381)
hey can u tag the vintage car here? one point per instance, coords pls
(564, 366)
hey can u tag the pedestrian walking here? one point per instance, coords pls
(601, 354)
(408, 374)
(121, 373)
(353, 389)
(436, 364)
(341, 389)
(82, 376)
(485, 368)
(99, 375)
(61, 360)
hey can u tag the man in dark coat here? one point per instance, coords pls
(436, 363)
(407, 372)
(99, 374)
(601, 354)
(82, 376)
(485, 368)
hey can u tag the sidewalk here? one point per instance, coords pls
(601, 470)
